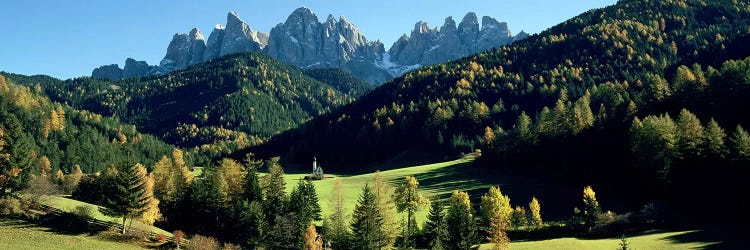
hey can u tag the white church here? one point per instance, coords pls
(317, 171)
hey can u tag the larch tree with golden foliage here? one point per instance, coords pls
(312, 241)
(535, 210)
(383, 198)
(409, 200)
(498, 213)
(171, 177)
(152, 212)
(591, 209)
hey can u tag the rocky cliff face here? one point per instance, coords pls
(427, 46)
(132, 68)
(305, 41)
(112, 72)
(184, 50)
(238, 36)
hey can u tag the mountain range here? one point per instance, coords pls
(302, 40)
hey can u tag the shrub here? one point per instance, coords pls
(10, 207)
(230, 246)
(161, 238)
(178, 235)
(200, 242)
(84, 211)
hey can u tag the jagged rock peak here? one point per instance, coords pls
(448, 25)
(195, 34)
(238, 36)
(421, 27)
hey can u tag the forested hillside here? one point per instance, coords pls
(609, 62)
(560, 105)
(216, 107)
(40, 136)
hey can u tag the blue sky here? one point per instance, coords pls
(69, 38)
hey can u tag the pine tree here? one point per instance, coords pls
(128, 197)
(519, 217)
(535, 210)
(367, 222)
(462, 230)
(435, 227)
(409, 200)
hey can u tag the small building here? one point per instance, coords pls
(317, 171)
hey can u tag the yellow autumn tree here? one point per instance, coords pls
(535, 210)
(498, 212)
(312, 241)
(151, 213)
(45, 167)
(171, 177)
(233, 179)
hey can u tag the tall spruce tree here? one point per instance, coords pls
(15, 170)
(303, 202)
(460, 216)
(367, 222)
(129, 197)
(435, 228)
(275, 191)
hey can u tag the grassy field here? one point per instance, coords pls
(69, 205)
(437, 181)
(17, 234)
(654, 240)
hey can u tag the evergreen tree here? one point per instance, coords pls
(367, 222)
(460, 218)
(253, 191)
(15, 172)
(303, 202)
(741, 144)
(715, 136)
(435, 228)
(253, 223)
(275, 191)
(409, 200)
(535, 210)
(128, 197)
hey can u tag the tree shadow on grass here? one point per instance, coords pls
(715, 237)
(557, 201)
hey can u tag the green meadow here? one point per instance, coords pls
(18, 234)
